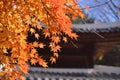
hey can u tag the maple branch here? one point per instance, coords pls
(48, 13)
(98, 5)
(73, 43)
(113, 11)
(94, 30)
(90, 6)
(72, 8)
(114, 4)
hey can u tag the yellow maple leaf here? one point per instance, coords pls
(32, 30)
(5, 50)
(37, 36)
(41, 45)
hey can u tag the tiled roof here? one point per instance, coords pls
(69, 74)
(97, 27)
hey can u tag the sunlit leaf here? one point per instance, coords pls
(42, 62)
(56, 55)
(32, 30)
(55, 39)
(53, 60)
(33, 61)
(37, 36)
(41, 45)
(24, 68)
(35, 44)
(64, 39)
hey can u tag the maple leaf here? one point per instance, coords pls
(46, 33)
(41, 45)
(74, 36)
(39, 26)
(28, 19)
(42, 62)
(56, 55)
(33, 61)
(32, 30)
(52, 45)
(53, 60)
(37, 36)
(56, 48)
(24, 68)
(65, 39)
(33, 52)
(55, 39)
(35, 44)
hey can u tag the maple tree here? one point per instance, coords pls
(18, 17)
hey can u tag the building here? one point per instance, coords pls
(76, 61)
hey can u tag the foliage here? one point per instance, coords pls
(18, 17)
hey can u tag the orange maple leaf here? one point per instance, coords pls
(39, 26)
(55, 39)
(24, 68)
(33, 61)
(46, 33)
(56, 48)
(42, 62)
(53, 60)
(32, 53)
(56, 55)
(35, 44)
(65, 39)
